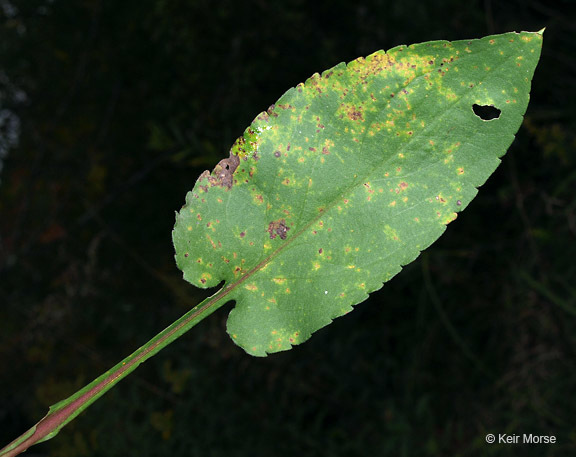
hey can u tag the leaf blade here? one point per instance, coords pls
(347, 178)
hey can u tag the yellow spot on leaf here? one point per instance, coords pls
(449, 218)
(390, 233)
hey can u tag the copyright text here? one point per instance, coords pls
(525, 438)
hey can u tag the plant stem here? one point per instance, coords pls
(66, 410)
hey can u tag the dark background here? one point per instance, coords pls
(124, 103)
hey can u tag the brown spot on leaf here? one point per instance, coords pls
(263, 117)
(222, 174)
(271, 111)
(355, 114)
(278, 228)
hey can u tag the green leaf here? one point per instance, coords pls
(347, 178)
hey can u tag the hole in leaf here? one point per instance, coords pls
(486, 112)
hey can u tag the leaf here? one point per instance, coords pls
(347, 178)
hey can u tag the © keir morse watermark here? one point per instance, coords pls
(524, 438)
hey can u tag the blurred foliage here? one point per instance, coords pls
(127, 102)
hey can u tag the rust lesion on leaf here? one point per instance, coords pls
(355, 113)
(352, 112)
(278, 228)
(222, 175)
